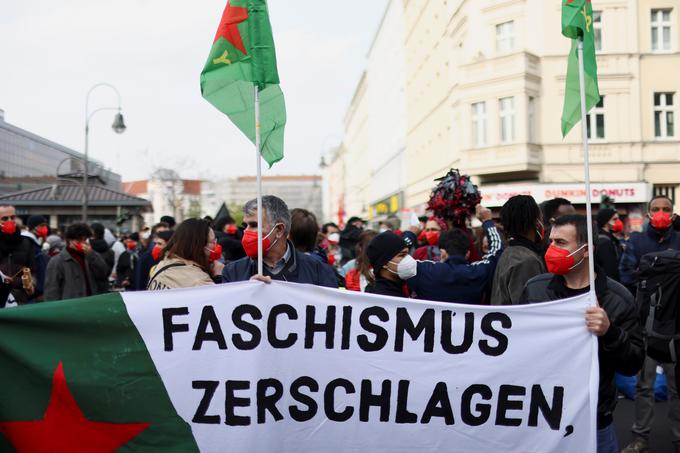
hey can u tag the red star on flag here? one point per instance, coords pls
(228, 29)
(64, 428)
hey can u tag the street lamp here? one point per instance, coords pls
(118, 127)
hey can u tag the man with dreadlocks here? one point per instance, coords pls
(523, 259)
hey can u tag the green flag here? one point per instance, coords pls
(243, 55)
(77, 376)
(577, 22)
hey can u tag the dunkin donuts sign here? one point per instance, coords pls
(495, 196)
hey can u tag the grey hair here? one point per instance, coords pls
(274, 210)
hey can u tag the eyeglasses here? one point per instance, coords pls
(5, 218)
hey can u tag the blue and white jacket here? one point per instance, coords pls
(455, 280)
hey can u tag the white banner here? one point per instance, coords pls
(294, 368)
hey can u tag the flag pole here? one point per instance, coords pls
(258, 179)
(586, 164)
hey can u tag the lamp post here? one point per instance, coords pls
(118, 127)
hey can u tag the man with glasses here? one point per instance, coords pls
(17, 261)
(280, 259)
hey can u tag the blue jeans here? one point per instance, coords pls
(607, 441)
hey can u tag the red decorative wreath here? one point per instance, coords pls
(454, 198)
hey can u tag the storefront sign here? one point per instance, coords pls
(388, 206)
(496, 196)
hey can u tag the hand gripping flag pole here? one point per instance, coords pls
(586, 165)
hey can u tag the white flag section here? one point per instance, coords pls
(293, 368)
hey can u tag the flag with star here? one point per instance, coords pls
(243, 56)
(77, 377)
(577, 23)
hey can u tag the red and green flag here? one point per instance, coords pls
(78, 377)
(243, 56)
(577, 24)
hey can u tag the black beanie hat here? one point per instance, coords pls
(604, 216)
(383, 248)
(34, 221)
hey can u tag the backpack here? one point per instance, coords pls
(658, 297)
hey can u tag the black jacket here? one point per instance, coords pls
(648, 241)
(620, 350)
(16, 252)
(608, 253)
(386, 287)
(232, 249)
(102, 248)
(300, 268)
(349, 238)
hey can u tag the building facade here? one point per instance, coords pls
(169, 194)
(484, 89)
(29, 161)
(298, 191)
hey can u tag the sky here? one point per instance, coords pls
(152, 51)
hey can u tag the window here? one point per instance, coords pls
(531, 119)
(479, 124)
(597, 29)
(507, 111)
(664, 121)
(595, 121)
(505, 37)
(661, 30)
(665, 191)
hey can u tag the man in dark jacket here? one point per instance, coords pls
(144, 258)
(658, 236)
(100, 246)
(454, 279)
(349, 238)
(615, 321)
(74, 272)
(280, 259)
(385, 252)
(608, 249)
(523, 259)
(37, 232)
(229, 236)
(16, 254)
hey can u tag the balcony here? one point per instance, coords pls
(497, 160)
(485, 70)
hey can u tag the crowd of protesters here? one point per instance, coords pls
(534, 254)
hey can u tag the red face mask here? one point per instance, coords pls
(249, 242)
(560, 261)
(662, 220)
(42, 231)
(422, 237)
(432, 237)
(617, 226)
(9, 227)
(131, 245)
(231, 230)
(79, 247)
(156, 252)
(215, 253)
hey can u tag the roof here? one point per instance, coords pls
(136, 187)
(72, 195)
(192, 186)
(37, 138)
